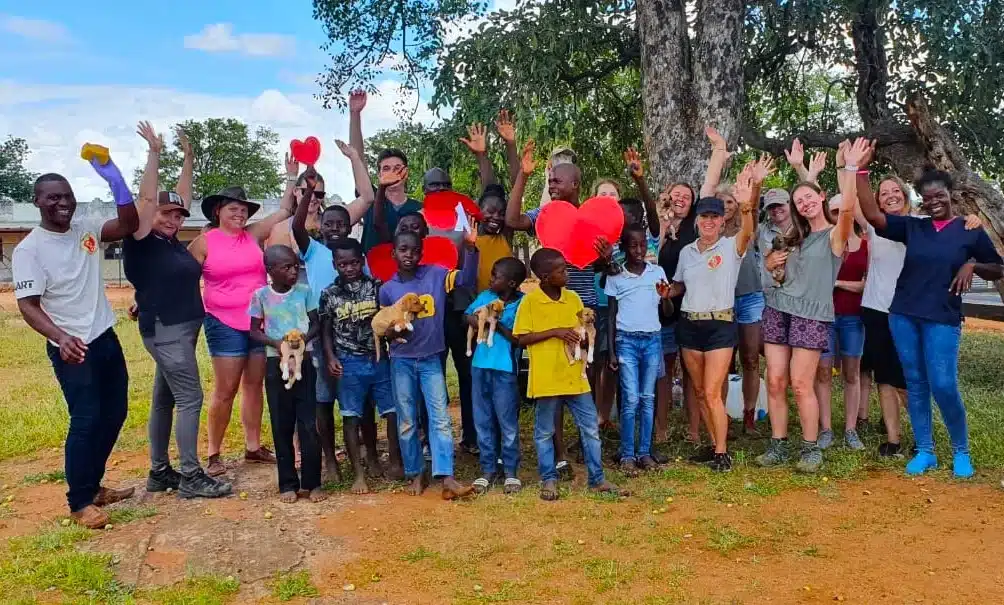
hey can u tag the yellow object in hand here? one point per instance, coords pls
(98, 152)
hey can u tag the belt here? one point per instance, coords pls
(726, 315)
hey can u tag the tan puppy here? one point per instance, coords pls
(587, 339)
(487, 315)
(291, 356)
(396, 318)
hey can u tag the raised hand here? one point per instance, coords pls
(505, 127)
(393, 177)
(471, 235)
(155, 141)
(743, 189)
(292, 166)
(870, 155)
(182, 136)
(762, 168)
(633, 161)
(357, 100)
(347, 150)
(526, 162)
(841, 160)
(476, 141)
(818, 164)
(854, 154)
(717, 140)
(796, 156)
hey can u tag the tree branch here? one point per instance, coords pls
(886, 133)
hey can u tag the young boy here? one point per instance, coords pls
(544, 324)
(496, 400)
(347, 310)
(275, 310)
(416, 365)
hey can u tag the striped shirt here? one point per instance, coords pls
(580, 281)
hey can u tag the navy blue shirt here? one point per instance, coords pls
(166, 277)
(932, 260)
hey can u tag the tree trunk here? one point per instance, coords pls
(687, 85)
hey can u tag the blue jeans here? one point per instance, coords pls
(97, 396)
(414, 380)
(584, 412)
(496, 399)
(639, 355)
(364, 378)
(929, 353)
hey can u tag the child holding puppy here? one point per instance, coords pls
(493, 373)
(276, 310)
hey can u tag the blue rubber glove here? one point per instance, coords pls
(111, 174)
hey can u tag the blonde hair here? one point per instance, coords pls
(605, 181)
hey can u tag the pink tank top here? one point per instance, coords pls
(233, 270)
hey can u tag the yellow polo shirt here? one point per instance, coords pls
(490, 249)
(550, 373)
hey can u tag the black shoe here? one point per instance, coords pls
(722, 463)
(163, 480)
(659, 458)
(201, 485)
(890, 450)
(703, 455)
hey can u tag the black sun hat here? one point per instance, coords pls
(230, 194)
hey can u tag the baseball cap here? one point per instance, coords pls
(775, 197)
(710, 205)
(170, 198)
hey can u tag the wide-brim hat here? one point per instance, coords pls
(230, 194)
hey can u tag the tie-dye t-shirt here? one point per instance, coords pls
(281, 312)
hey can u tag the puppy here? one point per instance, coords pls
(291, 356)
(486, 315)
(587, 339)
(397, 318)
(780, 244)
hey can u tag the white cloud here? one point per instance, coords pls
(35, 29)
(220, 37)
(56, 120)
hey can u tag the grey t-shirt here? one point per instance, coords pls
(809, 275)
(749, 272)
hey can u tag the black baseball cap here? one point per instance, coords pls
(710, 205)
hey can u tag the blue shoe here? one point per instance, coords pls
(921, 463)
(962, 466)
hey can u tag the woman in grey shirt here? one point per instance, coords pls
(796, 322)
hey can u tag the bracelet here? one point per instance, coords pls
(291, 179)
(850, 168)
(864, 171)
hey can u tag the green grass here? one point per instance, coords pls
(47, 477)
(200, 590)
(127, 514)
(288, 586)
(725, 539)
(420, 553)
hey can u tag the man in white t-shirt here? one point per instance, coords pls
(60, 293)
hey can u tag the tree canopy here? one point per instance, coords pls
(16, 181)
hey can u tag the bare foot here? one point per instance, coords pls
(549, 490)
(609, 488)
(332, 472)
(287, 497)
(359, 486)
(452, 490)
(317, 495)
(416, 486)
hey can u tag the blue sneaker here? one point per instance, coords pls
(962, 466)
(921, 463)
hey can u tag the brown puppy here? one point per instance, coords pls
(487, 315)
(391, 321)
(587, 339)
(780, 244)
(291, 356)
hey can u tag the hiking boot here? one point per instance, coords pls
(722, 463)
(262, 455)
(108, 496)
(776, 454)
(214, 466)
(702, 455)
(90, 517)
(811, 458)
(163, 480)
(852, 440)
(890, 450)
(201, 485)
(825, 439)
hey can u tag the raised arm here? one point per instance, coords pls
(507, 131)
(361, 177)
(847, 181)
(299, 223)
(184, 188)
(261, 229)
(748, 185)
(478, 144)
(816, 167)
(637, 171)
(126, 220)
(716, 164)
(866, 198)
(146, 205)
(387, 180)
(514, 217)
(357, 102)
(796, 159)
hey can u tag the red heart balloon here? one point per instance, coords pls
(440, 208)
(573, 231)
(381, 262)
(307, 151)
(439, 250)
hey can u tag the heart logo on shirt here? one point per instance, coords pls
(714, 262)
(89, 243)
(573, 231)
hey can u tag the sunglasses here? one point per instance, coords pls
(318, 195)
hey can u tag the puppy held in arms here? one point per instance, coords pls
(291, 357)
(394, 321)
(488, 317)
(587, 339)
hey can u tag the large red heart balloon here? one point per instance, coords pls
(573, 231)
(436, 250)
(307, 151)
(381, 262)
(440, 208)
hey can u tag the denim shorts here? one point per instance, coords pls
(847, 337)
(668, 336)
(326, 385)
(362, 377)
(224, 341)
(749, 308)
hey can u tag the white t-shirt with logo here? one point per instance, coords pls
(710, 276)
(64, 269)
(885, 261)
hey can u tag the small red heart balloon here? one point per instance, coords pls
(440, 208)
(573, 230)
(381, 262)
(307, 151)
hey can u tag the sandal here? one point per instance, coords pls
(549, 490)
(481, 485)
(512, 486)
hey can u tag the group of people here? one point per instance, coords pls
(858, 279)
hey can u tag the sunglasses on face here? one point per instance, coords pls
(318, 195)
